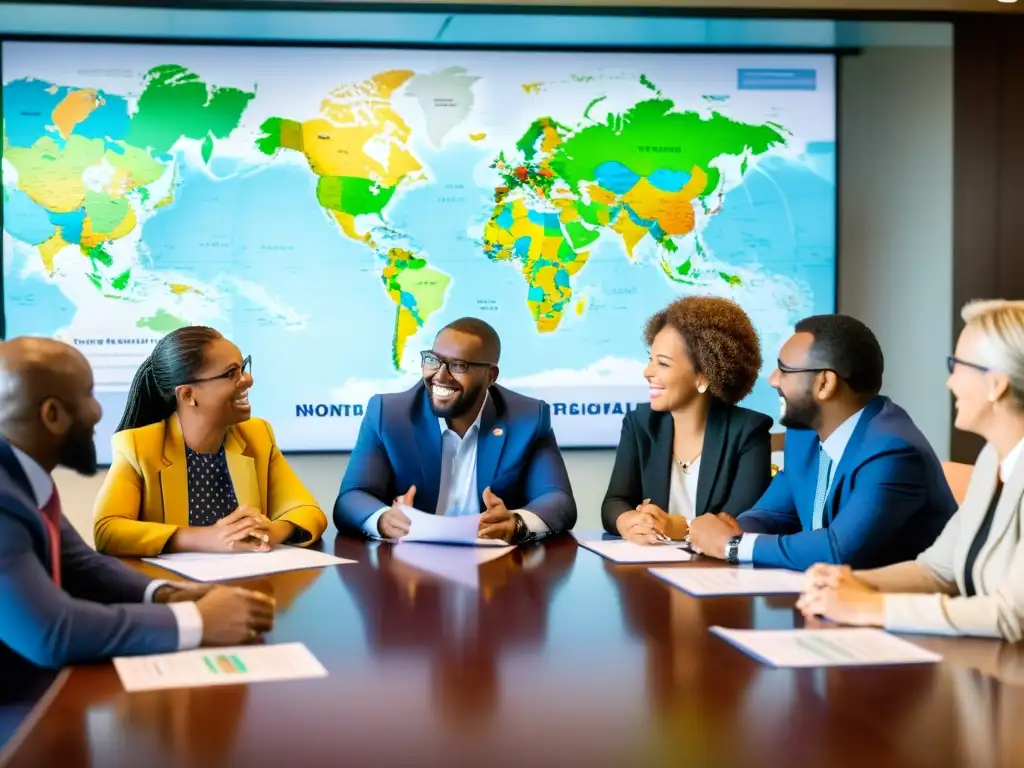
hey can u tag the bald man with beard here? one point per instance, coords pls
(62, 603)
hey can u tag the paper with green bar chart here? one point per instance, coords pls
(218, 666)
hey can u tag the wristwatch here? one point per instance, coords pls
(732, 549)
(522, 531)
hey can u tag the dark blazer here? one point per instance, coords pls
(735, 464)
(96, 615)
(399, 445)
(888, 502)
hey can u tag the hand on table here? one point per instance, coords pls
(650, 524)
(180, 592)
(710, 533)
(496, 522)
(394, 523)
(833, 592)
(232, 615)
(244, 530)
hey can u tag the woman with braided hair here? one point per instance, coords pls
(192, 470)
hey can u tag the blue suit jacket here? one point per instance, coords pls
(399, 445)
(888, 502)
(97, 614)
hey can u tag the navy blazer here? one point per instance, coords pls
(888, 502)
(735, 464)
(399, 445)
(98, 613)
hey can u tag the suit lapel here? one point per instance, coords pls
(850, 457)
(425, 439)
(242, 469)
(659, 467)
(1013, 489)
(490, 441)
(174, 475)
(711, 454)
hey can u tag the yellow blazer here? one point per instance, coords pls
(144, 498)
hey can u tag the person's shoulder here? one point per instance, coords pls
(391, 400)
(513, 403)
(892, 427)
(140, 441)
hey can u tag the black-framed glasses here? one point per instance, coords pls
(234, 373)
(952, 362)
(432, 361)
(783, 368)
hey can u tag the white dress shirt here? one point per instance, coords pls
(1006, 466)
(457, 492)
(835, 446)
(190, 621)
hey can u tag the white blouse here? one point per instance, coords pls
(682, 494)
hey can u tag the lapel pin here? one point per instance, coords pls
(498, 432)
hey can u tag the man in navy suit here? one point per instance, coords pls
(457, 444)
(62, 603)
(861, 485)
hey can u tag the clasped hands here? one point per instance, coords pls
(834, 593)
(496, 522)
(230, 615)
(244, 530)
(650, 524)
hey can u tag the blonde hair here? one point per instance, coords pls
(1000, 324)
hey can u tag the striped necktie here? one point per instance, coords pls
(821, 491)
(51, 512)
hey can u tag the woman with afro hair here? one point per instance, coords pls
(693, 450)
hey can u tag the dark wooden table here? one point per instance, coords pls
(556, 657)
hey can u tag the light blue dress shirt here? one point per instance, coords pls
(457, 491)
(835, 446)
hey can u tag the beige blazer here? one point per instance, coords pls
(929, 588)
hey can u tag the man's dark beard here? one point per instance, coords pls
(461, 405)
(800, 414)
(78, 452)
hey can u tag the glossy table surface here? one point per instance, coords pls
(549, 655)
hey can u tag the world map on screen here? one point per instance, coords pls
(330, 210)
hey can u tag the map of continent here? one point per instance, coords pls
(331, 210)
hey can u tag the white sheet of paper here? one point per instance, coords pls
(199, 566)
(460, 565)
(622, 551)
(839, 647)
(446, 529)
(218, 666)
(716, 582)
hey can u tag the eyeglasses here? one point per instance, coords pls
(783, 368)
(952, 362)
(432, 362)
(234, 373)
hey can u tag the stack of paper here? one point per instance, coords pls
(846, 647)
(202, 566)
(218, 666)
(716, 582)
(622, 551)
(446, 529)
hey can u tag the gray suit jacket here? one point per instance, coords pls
(929, 588)
(97, 614)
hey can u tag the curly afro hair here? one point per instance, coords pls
(722, 342)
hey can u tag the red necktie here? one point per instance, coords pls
(51, 517)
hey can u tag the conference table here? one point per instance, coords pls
(547, 655)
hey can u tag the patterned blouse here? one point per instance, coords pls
(211, 495)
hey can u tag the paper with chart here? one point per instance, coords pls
(839, 647)
(218, 666)
(446, 529)
(204, 566)
(622, 551)
(716, 582)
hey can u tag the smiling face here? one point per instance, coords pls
(220, 388)
(798, 407)
(975, 389)
(670, 376)
(459, 392)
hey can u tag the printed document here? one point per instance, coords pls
(203, 566)
(718, 582)
(622, 551)
(840, 647)
(218, 666)
(446, 529)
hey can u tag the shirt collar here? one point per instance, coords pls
(474, 427)
(1007, 465)
(38, 478)
(835, 444)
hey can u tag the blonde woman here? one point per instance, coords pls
(971, 580)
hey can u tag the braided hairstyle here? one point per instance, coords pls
(175, 360)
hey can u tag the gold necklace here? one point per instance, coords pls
(685, 465)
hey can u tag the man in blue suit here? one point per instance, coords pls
(861, 485)
(457, 444)
(62, 603)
